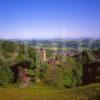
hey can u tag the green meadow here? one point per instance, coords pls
(41, 92)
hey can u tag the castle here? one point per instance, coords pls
(42, 55)
(43, 58)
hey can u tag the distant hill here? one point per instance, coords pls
(84, 43)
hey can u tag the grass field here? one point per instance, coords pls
(40, 92)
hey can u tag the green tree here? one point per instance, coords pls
(67, 74)
(5, 75)
(72, 72)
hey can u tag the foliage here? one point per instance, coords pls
(87, 56)
(41, 70)
(8, 46)
(5, 75)
(72, 72)
(67, 74)
(13, 53)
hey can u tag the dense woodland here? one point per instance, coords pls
(69, 72)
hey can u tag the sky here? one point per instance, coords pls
(46, 19)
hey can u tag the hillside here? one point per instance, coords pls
(59, 79)
(40, 92)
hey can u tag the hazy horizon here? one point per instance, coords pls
(49, 19)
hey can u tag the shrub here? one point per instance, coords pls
(5, 75)
(67, 74)
(72, 72)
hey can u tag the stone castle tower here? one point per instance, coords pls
(42, 55)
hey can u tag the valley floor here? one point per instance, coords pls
(39, 92)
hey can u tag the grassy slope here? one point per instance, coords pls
(90, 92)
